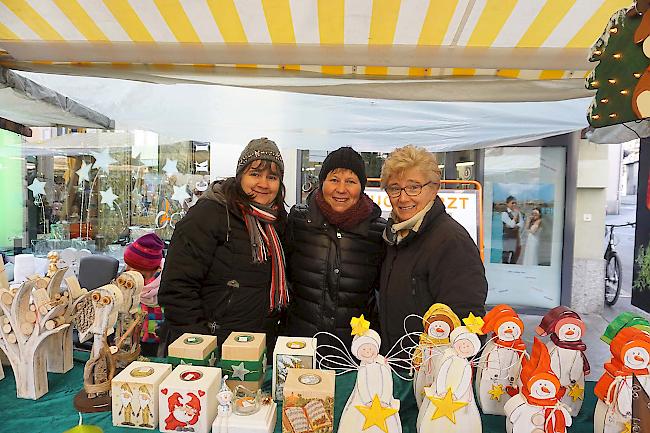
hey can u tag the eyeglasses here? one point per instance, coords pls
(410, 190)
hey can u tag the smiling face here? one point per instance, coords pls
(465, 348)
(367, 352)
(439, 329)
(636, 358)
(261, 181)
(543, 389)
(569, 332)
(341, 189)
(406, 206)
(509, 331)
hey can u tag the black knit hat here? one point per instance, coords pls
(344, 157)
(260, 148)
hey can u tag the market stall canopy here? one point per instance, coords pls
(443, 50)
(30, 104)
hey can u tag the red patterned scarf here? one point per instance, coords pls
(264, 242)
(349, 219)
(573, 345)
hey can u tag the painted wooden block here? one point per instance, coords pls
(308, 401)
(188, 400)
(291, 352)
(194, 349)
(243, 359)
(134, 394)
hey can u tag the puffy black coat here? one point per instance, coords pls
(210, 284)
(438, 263)
(334, 273)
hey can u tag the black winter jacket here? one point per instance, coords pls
(209, 284)
(438, 263)
(334, 273)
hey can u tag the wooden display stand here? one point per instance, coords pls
(243, 359)
(308, 401)
(135, 394)
(187, 399)
(194, 349)
(291, 352)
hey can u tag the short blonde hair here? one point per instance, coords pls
(408, 157)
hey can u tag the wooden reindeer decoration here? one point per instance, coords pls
(129, 318)
(23, 331)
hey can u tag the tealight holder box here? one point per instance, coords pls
(251, 413)
(291, 352)
(243, 359)
(194, 349)
(135, 394)
(308, 401)
(188, 399)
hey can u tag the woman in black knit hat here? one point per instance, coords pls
(334, 250)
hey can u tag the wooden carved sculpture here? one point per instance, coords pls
(129, 318)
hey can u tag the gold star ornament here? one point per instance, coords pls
(359, 325)
(446, 406)
(376, 415)
(474, 323)
(577, 392)
(496, 392)
(627, 427)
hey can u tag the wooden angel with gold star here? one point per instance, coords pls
(449, 404)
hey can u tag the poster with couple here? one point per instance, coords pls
(522, 224)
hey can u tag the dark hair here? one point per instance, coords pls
(235, 195)
(510, 198)
(538, 209)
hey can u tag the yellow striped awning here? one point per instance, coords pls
(302, 44)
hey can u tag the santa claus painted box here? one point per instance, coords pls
(291, 352)
(188, 399)
(308, 401)
(243, 359)
(134, 394)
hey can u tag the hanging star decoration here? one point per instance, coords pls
(170, 167)
(474, 323)
(102, 160)
(496, 392)
(239, 371)
(83, 172)
(180, 193)
(627, 427)
(446, 406)
(376, 415)
(577, 392)
(37, 187)
(359, 325)
(108, 197)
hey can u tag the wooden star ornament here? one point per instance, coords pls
(376, 415)
(577, 392)
(496, 392)
(474, 323)
(359, 325)
(446, 406)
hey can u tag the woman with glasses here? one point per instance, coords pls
(334, 250)
(430, 258)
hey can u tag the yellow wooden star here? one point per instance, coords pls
(474, 323)
(496, 392)
(628, 427)
(359, 325)
(577, 392)
(446, 406)
(376, 414)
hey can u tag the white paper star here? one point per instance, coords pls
(102, 160)
(180, 193)
(239, 371)
(83, 172)
(37, 187)
(108, 197)
(170, 167)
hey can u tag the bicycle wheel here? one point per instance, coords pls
(613, 274)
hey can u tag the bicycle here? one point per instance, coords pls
(164, 218)
(613, 267)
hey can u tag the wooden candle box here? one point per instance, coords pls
(194, 349)
(243, 359)
(135, 394)
(291, 352)
(308, 401)
(188, 399)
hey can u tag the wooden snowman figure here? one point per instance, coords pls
(224, 410)
(371, 407)
(438, 324)
(449, 405)
(630, 357)
(497, 375)
(568, 360)
(537, 408)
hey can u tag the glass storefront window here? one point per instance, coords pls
(524, 224)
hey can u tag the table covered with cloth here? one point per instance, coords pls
(55, 413)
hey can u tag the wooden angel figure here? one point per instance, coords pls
(438, 322)
(449, 405)
(129, 319)
(568, 360)
(96, 315)
(497, 374)
(224, 410)
(537, 408)
(630, 357)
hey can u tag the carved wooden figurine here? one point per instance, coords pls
(129, 318)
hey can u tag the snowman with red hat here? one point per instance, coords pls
(568, 360)
(537, 408)
(497, 374)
